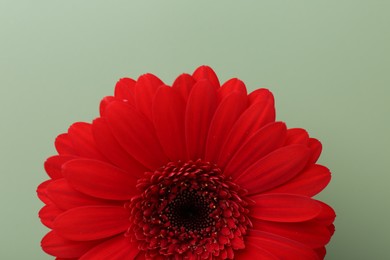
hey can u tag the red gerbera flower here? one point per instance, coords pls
(192, 171)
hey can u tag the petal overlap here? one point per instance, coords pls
(136, 134)
(91, 222)
(99, 179)
(56, 245)
(252, 119)
(168, 118)
(199, 112)
(274, 169)
(279, 207)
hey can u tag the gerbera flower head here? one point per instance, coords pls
(196, 170)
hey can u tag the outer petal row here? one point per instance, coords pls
(56, 245)
(99, 179)
(117, 248)
(91, 222)
(136, 135)
(65, 197)
(274, 169)
(252, 119)
(226, 114)
(168, 118)
(284, 208)
(279, 247)
(201, 106)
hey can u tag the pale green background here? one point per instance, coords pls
(327, 63)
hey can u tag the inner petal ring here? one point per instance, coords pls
(190, 209)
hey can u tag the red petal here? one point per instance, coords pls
(229, 87)
(112, 150)
(168, 119)
(117, 248)
(200, 110)
(327, 214)
(54, 164)
(48, 213)
(205, 72)
(282, 248)
(140, 256)
(136, 135)
(145, 90)
(309, 233)
(254, 251)
(260, 144)
(226, 114)
(65, 197)
(284, 208)
(125, 89)
(104, 103)
(297, 136)
(331, 229)
(64, 145)
(309, 182)
(60, 247)
(92, 222)
(42, 192)
(84, 145)
(316, 148)
(99, 179)
(260, 94)
(321, 252)
(183, 85)
(252, 119)
(275, 169)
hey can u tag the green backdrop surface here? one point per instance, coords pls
(327, 63)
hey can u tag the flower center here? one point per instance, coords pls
(190, 210)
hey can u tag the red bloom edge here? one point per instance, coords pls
(196, 170)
